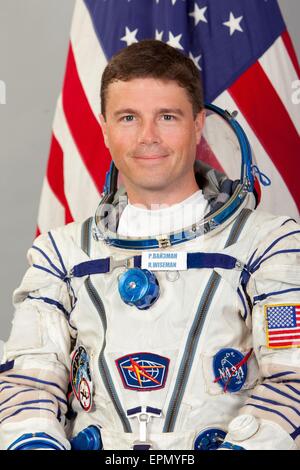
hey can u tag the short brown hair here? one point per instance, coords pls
(155, 59)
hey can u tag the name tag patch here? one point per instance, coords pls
(164, 261)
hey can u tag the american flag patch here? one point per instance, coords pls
(283, 325)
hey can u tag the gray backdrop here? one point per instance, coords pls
(34, 38)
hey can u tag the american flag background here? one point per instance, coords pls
(283, 326)
(247, 62)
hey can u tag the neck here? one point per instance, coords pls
(169, 195)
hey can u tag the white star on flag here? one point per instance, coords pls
(196, 60)
(129, 37)
(234, 23)
(198, 14)
(159, 35)
(174, 41)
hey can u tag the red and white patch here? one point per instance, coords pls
(85, 396)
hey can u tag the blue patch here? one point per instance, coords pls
(143, 371)
(230, 369)
(210, 439)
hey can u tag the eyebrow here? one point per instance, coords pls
(177, 111)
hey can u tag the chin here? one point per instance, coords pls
(159, 186)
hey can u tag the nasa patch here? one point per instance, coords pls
(143, 371)
(230, 369)
(81, 380)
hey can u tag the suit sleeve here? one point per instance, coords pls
(34, 374)
(270, 418)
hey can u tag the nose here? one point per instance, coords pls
(149, 133)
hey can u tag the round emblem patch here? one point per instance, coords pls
(230, 369)
(210, 439)
(81, 380)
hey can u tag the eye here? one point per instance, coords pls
(127, 118)
(168, 117)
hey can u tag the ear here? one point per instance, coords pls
(103, 125)
(199, 124)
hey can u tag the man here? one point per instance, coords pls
(174, 312)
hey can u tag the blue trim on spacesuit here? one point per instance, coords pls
(24, 409)
(252, 266)
(288, 220)
(230, 446)
(210, 260)
(274, 402)
(41, 441)
(49, 301)
(295, 434)
(293, 250)
(31, 390)
(293, 389)
(197, 260)
(280, 392)
(264, 408)
(258, 298)
(30, 402)
(280, 374)
(291, 381)
(244, 304)
(34, 379)
(257, 261)
(7, 366)
(18, 393)
(4, 388)
(42, 268)
(97, 266)
(150, 409)
(34, 247)
(57, 252)
(138, 409)
(133, 411)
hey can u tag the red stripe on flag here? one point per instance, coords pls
(84, 127)
(288, 337)
(55, 176)
(291, 51)
(271, 333)
(265, 113)
(284, 345)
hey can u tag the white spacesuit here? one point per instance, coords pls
(182, 341)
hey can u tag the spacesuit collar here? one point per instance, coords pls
(223, 195)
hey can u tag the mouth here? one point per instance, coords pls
(150, 157)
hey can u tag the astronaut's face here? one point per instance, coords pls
(152, 135)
